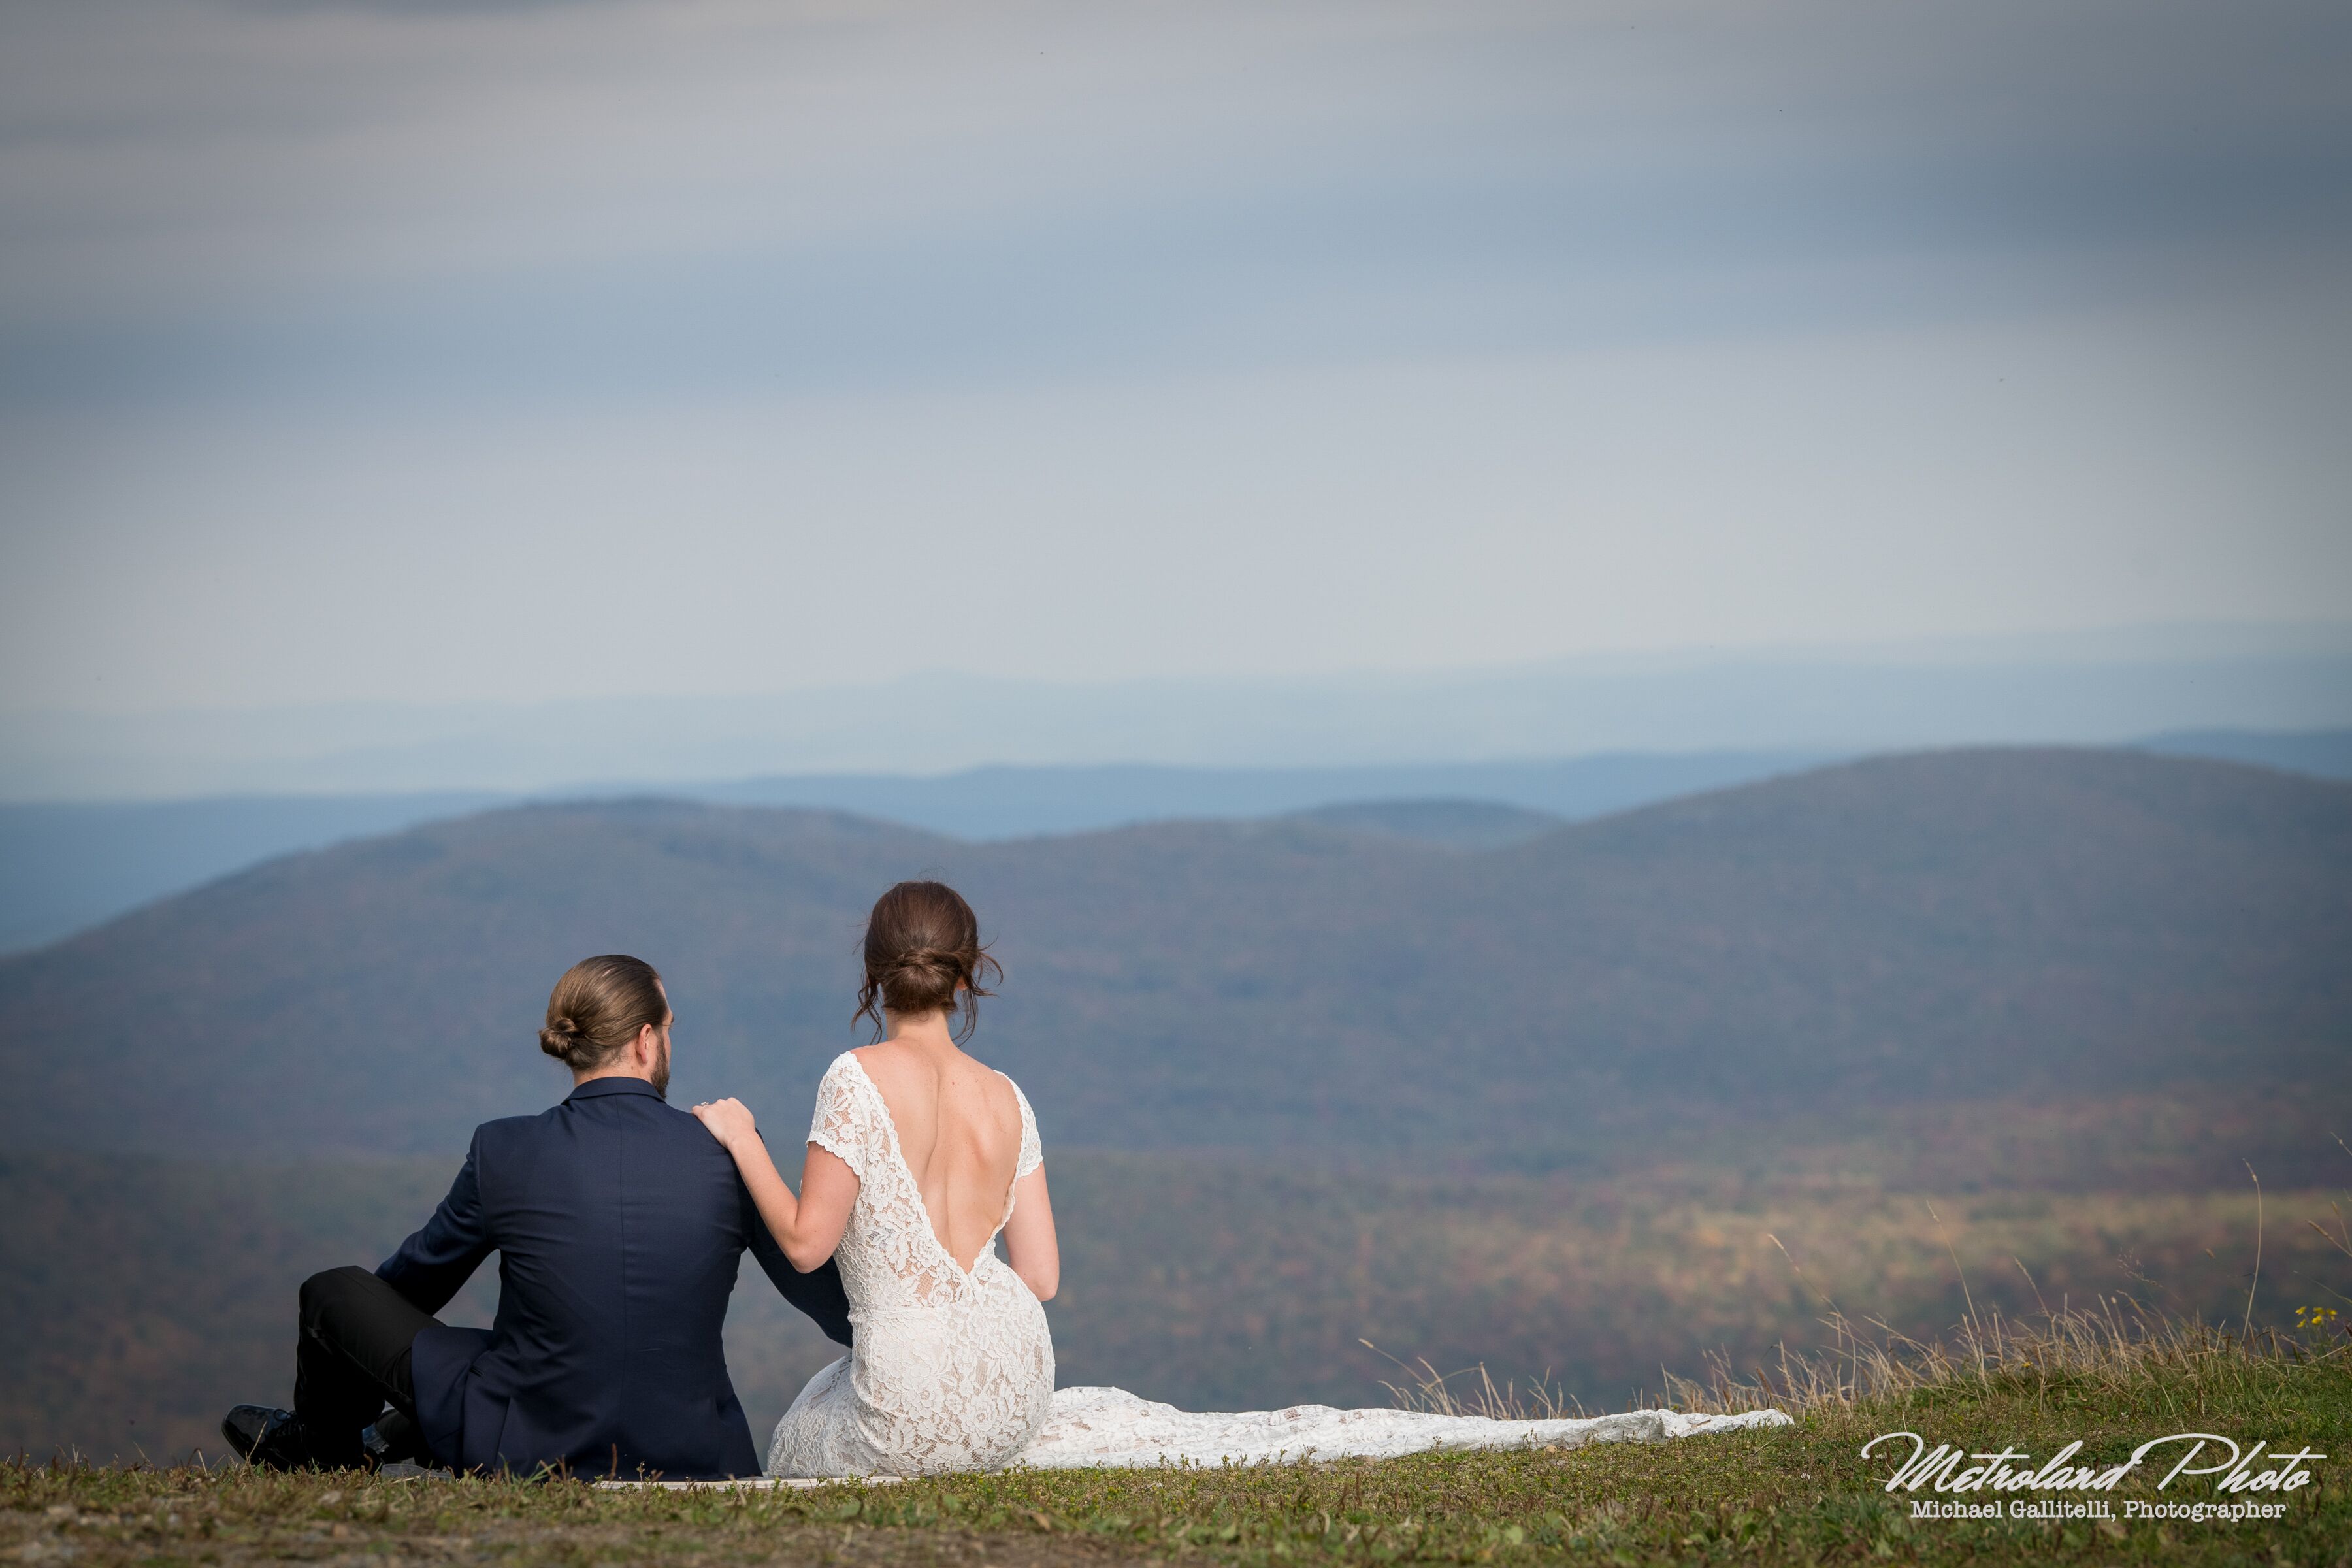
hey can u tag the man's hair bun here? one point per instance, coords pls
(561, 1039)
(599, 1006)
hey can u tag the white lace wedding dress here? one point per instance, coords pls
(954, 1371)
(949, 1369)
(1110, 1426)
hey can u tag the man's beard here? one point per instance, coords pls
(660, 1079)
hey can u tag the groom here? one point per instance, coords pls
(619, 1224)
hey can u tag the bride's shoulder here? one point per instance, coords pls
(877, 1064)
(1032, 1148)
(882, 1071)
(998, 1092)
(1010, 1091)
(995, 1083)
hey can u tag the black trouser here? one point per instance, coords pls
(351, 1359)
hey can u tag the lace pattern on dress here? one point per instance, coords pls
(1033, 1153)
(951, 1370)
(1109, 1426)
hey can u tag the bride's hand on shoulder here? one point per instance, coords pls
(728, 1121)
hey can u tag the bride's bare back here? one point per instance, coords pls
(958, 1130)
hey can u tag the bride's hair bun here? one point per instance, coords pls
(922, 967)
(599, 1006)
(923, 955)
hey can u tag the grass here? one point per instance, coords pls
(2015, 1372)
(1794, 1495)
(144, 1298)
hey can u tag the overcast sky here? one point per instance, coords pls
(433, 351)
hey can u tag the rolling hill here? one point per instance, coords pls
(1956, 925)
(66, 866)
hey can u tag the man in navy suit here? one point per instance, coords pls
(619, 1225)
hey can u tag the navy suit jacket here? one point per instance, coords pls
(619, 1224)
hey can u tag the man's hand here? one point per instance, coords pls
(729, 1121)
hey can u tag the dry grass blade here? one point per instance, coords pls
(2248, 1327)
(2340, 1238)
(2119, 1342)
(1432, 1393)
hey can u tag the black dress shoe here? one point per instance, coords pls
(266, 1438)
(393, 1440)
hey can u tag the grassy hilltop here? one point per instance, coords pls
(1908, 1040)
(148, 1295)
(1801, 1495)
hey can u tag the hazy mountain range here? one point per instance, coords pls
(1941, 926)
(2101, 688)
(66, 866)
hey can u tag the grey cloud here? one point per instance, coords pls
(1285, 276)
(1956, 314)
(413, 8)
(1521, 182)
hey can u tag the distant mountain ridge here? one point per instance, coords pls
(1457, 824)
(67, 865)
(1955, 924)
(2088, 687)
(2322, 753)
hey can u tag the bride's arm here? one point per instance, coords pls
(1030, 1245)
(808, 1227)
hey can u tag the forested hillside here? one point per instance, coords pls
(1952, 925)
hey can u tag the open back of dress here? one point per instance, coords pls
(950, 1369)
(960, 1142)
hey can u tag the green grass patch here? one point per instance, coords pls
(1793, 1495)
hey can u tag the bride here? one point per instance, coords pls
(919, 1159)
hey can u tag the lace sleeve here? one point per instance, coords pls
(837, 1127)
(1033, 1151)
